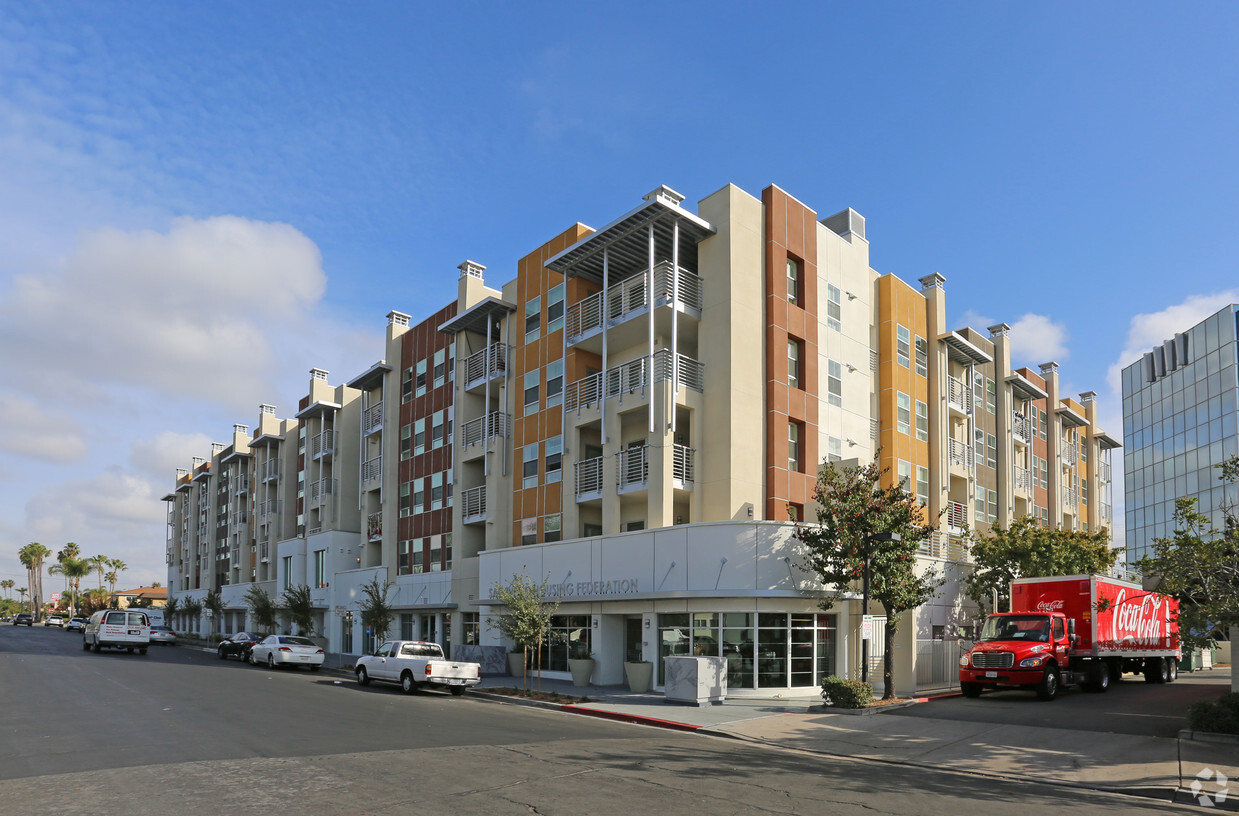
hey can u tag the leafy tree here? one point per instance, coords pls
(214, 603)
(141, 603)
(853, 509)
(191, 608)
(376, 612)
(1027, 550)
(262, 608)
(299, 604)
(170, 609)
(527, 620)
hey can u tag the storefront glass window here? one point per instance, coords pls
(765, 650)
(568, 632)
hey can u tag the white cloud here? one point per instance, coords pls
(186, 312)
(1148, 330)
(1037, 339)
(31, 428)
(161, 456)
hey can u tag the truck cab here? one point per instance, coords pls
(1020, 649)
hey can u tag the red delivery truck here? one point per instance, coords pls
(1084, 630)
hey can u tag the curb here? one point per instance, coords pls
(1209, 736)
(635, 719)
(864, 712)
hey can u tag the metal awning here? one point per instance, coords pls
(963, 352)
(475, 317)
(234, 455)
(1071, 416)
(627, 241)
(1106, 441)
(371, 377)
(169, 497)
(1025, 389)
(316, 408)
(265, 439)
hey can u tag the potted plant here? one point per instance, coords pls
(581, 663)
(639, 673)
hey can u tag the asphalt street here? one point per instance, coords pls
(178, 730)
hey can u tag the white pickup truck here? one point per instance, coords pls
(416, 665)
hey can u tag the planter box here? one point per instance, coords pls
(516, 664)
(696, 680)
(640, 676)
(581, 670)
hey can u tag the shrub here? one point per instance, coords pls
(841, 693)
(1220, 716)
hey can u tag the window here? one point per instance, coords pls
(419, 436)
(404, 557)
(922, 421)
(903, 346)
(834, 310)
(991, 450)
(419, 494)
(1045, 474)
(440, 371)
(922, 485)
(793, 362)
(1044, 423)
(793, 446)
(904, 470)
(436, 556)
(320, 568)
(992, 496)
(531, 391)
(991, 396)
(471, 628)
(447, 488)
(922, 356)
(1084, 491)
(903, 413)
(288, 572)
(451, 362)
(405, 499)
(529, 531)
(978, 504)
(978, 447)
(795, 512)
(419, 555)
(793, 281)
(533, 318)
(551, 528)
(406, 385)
(436, 430)
(834, 449)
(554, 383)
(530, 469)
(554, 459)
(406, 624)
(555, 308)
(834, 382)
(436, 491)
(420, 379)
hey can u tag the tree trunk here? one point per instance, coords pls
(888, 659)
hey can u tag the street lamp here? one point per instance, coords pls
(889, 538)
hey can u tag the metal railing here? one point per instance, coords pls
(1106, 512)
(1070, 453)
(682, 464)
(483, 428)
(633, 467)
(269, 470)
(960, 453)
(264, 551)
(317, 492)
(473, 503)
(589, 476)
(374, 526)
(1021, 427)
(239, 517)
(1104, 471)
(372, 470)
(958, 394)
(1023, 479)
(1071, 500)
(940, 544)
(583, 393)
(267, 509)
(629, 297)
(240, 484)
(372, 418)
(323, 444)
(957, 515)
(489, 362)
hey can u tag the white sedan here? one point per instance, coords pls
(287, 650)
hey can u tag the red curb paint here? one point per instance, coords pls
(629, 718)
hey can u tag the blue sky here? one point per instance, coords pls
(199, 202)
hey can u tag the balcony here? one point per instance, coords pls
(589, 479)
(241, 485)
(1071, 501)
(269, 471)
(633, 471)
(682, 466)
(264, 552)
(1070, 453)
(374, 526)
(584, 393)
(957, 516)
(633, 377)
(1023, 480)
(473, 505)
(317, 493)
(1106, 512)
(1021, 428)
(489, 363)
(266, 510)
(323, 444)
(628, 299)
(239, 517)
(1104, 473)
(492, 426)
(372, 471)
(948, 546)
(958, 396)
(959, 453)
(372, 419)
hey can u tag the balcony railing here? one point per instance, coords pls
(269, 470)
(265, 510)
(317, 492)
(473, 504)
(493, 425)
(372, 418)
(583, 393)
(239, 517)
(1023, 479)
(957, 515)
(945, 545)
(1106, 512)
(323, 444)
(489, 362)
(633, 467)
(682, 464)
(958, 395)
(1021, 427)
(374, 526)
(1071, 500)
(589, 477)
(372, 470)
(1070, 453)
(959, 453)
(240, 485)
(1104, 472)
(632, 377)
(264, 552)
(629, 297)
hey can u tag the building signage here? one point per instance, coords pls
(573, 589)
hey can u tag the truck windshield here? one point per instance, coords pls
(1016, 627)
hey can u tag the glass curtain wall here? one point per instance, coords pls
(763, 650)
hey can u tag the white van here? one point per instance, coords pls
(118, 629)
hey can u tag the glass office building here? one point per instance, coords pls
(1179, 423)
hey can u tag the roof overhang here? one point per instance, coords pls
(236, 454)
(1106, 441)
(262, 440)
(475, 318)
(169, 497)
(1025, 389)
(317, 408)
(371, 377)
(1071, 416)
(206, 474)
(626, 241)
(963, 352)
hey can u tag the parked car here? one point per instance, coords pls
(76, 625)
(53, 620)
(23, 619)
(238, 645)
(287, 650)
(416, 665)
(117, 629)
(164, 635)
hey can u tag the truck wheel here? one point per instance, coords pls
(407, 684)
(457, 691)
(96, 646)
(1099, 678)
(141, 651)
(1116, 671)
(85, 645)
(1047, 689)
(1172, 670)
(363, 679)
(970, 690)
(1155, 670)
(220, 652)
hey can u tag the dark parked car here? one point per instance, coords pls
(238, 646)
(23, 619)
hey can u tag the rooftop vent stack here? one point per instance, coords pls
(846, 222)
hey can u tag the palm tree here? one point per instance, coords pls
(59, 569)
(32, 556)
(111, 579)
(76, 569)
(100, 562)
(7, 584)
(22, 591)
(118, 566)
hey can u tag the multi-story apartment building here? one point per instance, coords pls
(1180, 414)
(640, 414)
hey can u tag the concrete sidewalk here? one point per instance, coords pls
(1158, 767)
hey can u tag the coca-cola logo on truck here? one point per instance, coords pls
(1143, 621)
(1050, 606)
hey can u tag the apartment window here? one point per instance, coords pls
(554, 459)
(795, 512)
(978, 446)
(922, 485)
(1084, 491)
(530, 468)
(451, 362)
(992, 497)
(794, 434)
(904, 470)
(991, 396)
(529, 531)
(551, 528)
(440, 370)
(419, 494)
(406, 385)
(794, 279)
(533, 318)
(419, 556)
(1043, 425)
(436, 556)
(436, 491)
(405, 498)
(471, 628)
(903, 413)
(922, 356)
(991, 450)
(447, 488)
(447, 432)
(903, 346)
(1045, 517)
(288, 572)
(555, 308)
(834, 308)
(320, 568)
(834, 382)
(436, 429)
(420, 379)
(419, 436)
(404, 557)
(834, 449)
(447, 550)
(978, 390)
(531, 391)
(922, 421)
(1084, 450)
(978, 505)
(555, 383)
(793, 362)
(1045, 474)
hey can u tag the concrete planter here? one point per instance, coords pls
(516, 664)
(639, 676)
(581, 670)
